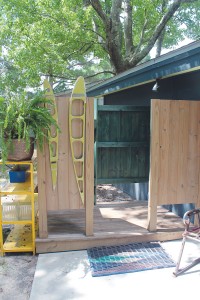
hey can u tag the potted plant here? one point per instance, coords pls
(24, 120)
(18, 173)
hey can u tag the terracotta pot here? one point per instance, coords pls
(18, 150)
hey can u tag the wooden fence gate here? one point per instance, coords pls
(175, 155)
(66, 195)
(122, 144)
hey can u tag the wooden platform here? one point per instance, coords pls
(114, 223)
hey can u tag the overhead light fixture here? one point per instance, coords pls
(156, 86)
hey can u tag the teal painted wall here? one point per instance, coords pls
(180, 87)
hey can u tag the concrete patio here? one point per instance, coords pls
(67, 275)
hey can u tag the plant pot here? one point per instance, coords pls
(18, 150)
(18, 174)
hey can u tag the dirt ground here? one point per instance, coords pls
(109, 193)
(17, 269)
(16, 276)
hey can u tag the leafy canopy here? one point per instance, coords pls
(62, 39)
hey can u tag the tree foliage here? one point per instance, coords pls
(48, 38)
(132, 27)
(61, 39)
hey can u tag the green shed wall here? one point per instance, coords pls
(180, 87)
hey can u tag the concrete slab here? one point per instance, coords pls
(67, 276)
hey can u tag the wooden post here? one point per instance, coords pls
(153, 178)
(89, 167)
(42, 201)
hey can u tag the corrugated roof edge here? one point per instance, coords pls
(179, 60)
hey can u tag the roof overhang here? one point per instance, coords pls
(183, 60)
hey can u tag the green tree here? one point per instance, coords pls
(61, 39)
(130, 28)
(48, 38)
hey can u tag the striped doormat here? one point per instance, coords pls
(128, 258)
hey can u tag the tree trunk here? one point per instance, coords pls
(112, 23)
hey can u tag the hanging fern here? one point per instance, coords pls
(22, 117)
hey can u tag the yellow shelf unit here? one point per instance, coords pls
(18, 208)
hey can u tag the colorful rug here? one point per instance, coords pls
(128, 258)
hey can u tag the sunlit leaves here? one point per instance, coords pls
(64, 38)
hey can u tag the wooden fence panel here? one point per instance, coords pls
(122, 144)
(66, 194)
(174, 155)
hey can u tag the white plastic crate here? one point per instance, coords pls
(17, 208)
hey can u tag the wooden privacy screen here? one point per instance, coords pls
(175, 154)
(66, 194)
(122, 144)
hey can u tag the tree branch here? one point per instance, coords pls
(112, 30)
(103, 72)
(96, 4)
(142, 35)
(78, 63)
(86, 77)
(169, 14)
(81, 49)
(116, 24)
(162, 34)
(128, 32)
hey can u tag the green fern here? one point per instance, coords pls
(22, 117)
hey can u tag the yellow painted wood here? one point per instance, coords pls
(18, 188)
(77, 108)
(19, 239)
(53, 135)
(17, 207)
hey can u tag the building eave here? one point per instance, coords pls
(182, 60)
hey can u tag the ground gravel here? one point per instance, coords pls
(16, 275)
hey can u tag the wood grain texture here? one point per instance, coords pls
(66, 194)
(42, 197)
(122, 143)
(154, 166)
(175, 154)
(114, 224)
(89, 167)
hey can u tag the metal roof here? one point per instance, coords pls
(184, 59)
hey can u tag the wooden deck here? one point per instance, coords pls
(114, 223)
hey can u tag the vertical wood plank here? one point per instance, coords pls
(89, 167)
(178, 154)
(198, 153)
(172, 178)
(183, 151)
(154, 166)
(51, 195)
(63, 153)
(163, 151)
(193, 154)
(42, 200)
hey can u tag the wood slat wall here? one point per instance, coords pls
(66, 194)
(175, 154)
(122, 144)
